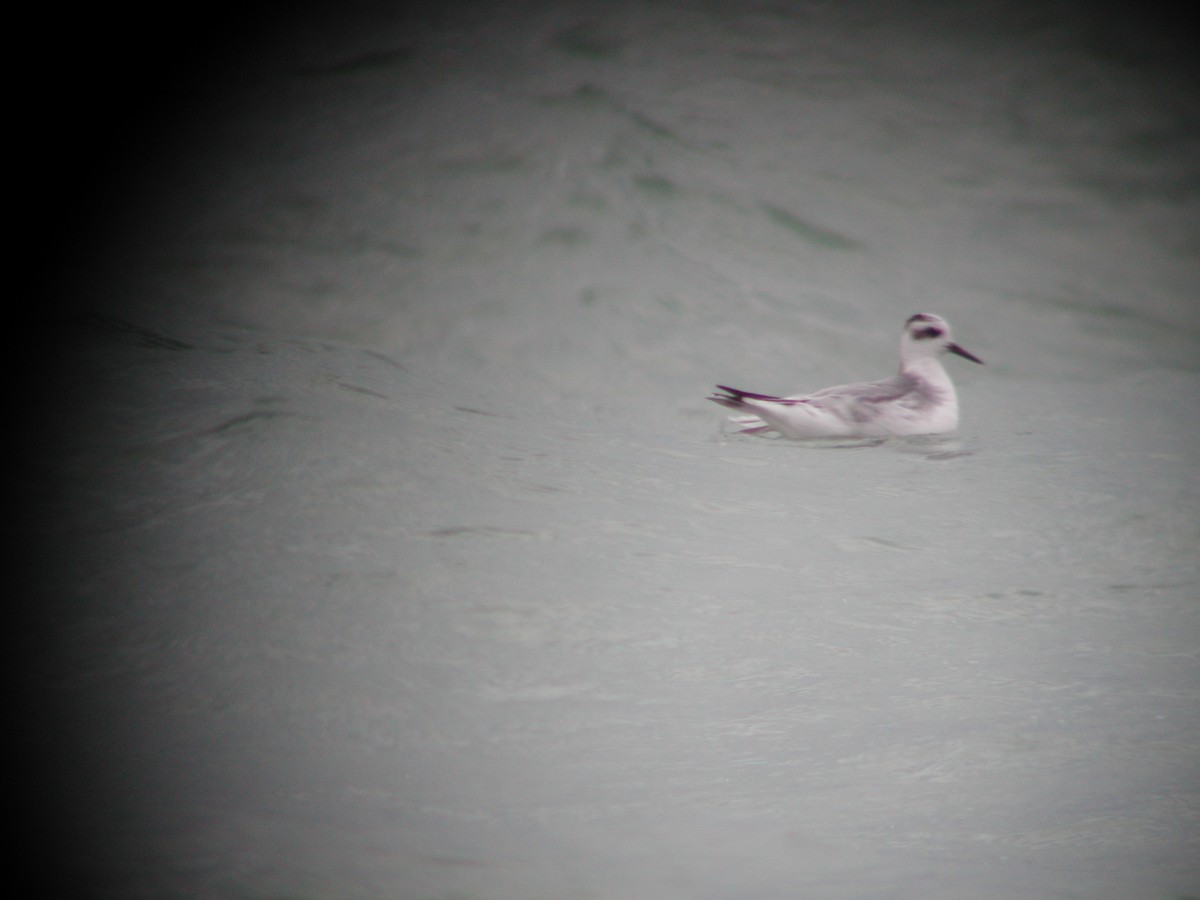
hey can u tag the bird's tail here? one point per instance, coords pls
(731, 398)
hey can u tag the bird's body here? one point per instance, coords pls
(919, 399)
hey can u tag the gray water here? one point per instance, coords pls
(395, 552)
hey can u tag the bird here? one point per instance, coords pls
(919, 399)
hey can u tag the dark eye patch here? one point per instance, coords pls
(922, 334)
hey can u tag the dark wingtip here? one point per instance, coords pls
(731, 399)
(735, 398)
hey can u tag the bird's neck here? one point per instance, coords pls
(929, 370)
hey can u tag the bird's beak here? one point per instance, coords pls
(954, 348)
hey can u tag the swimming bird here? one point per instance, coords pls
(919, 399)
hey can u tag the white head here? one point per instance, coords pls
(925, 336)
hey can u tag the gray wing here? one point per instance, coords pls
(870, 392)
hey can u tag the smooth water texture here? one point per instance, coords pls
(396, 552)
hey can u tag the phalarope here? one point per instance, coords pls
(920, 399)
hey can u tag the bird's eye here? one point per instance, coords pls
(922, 334)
